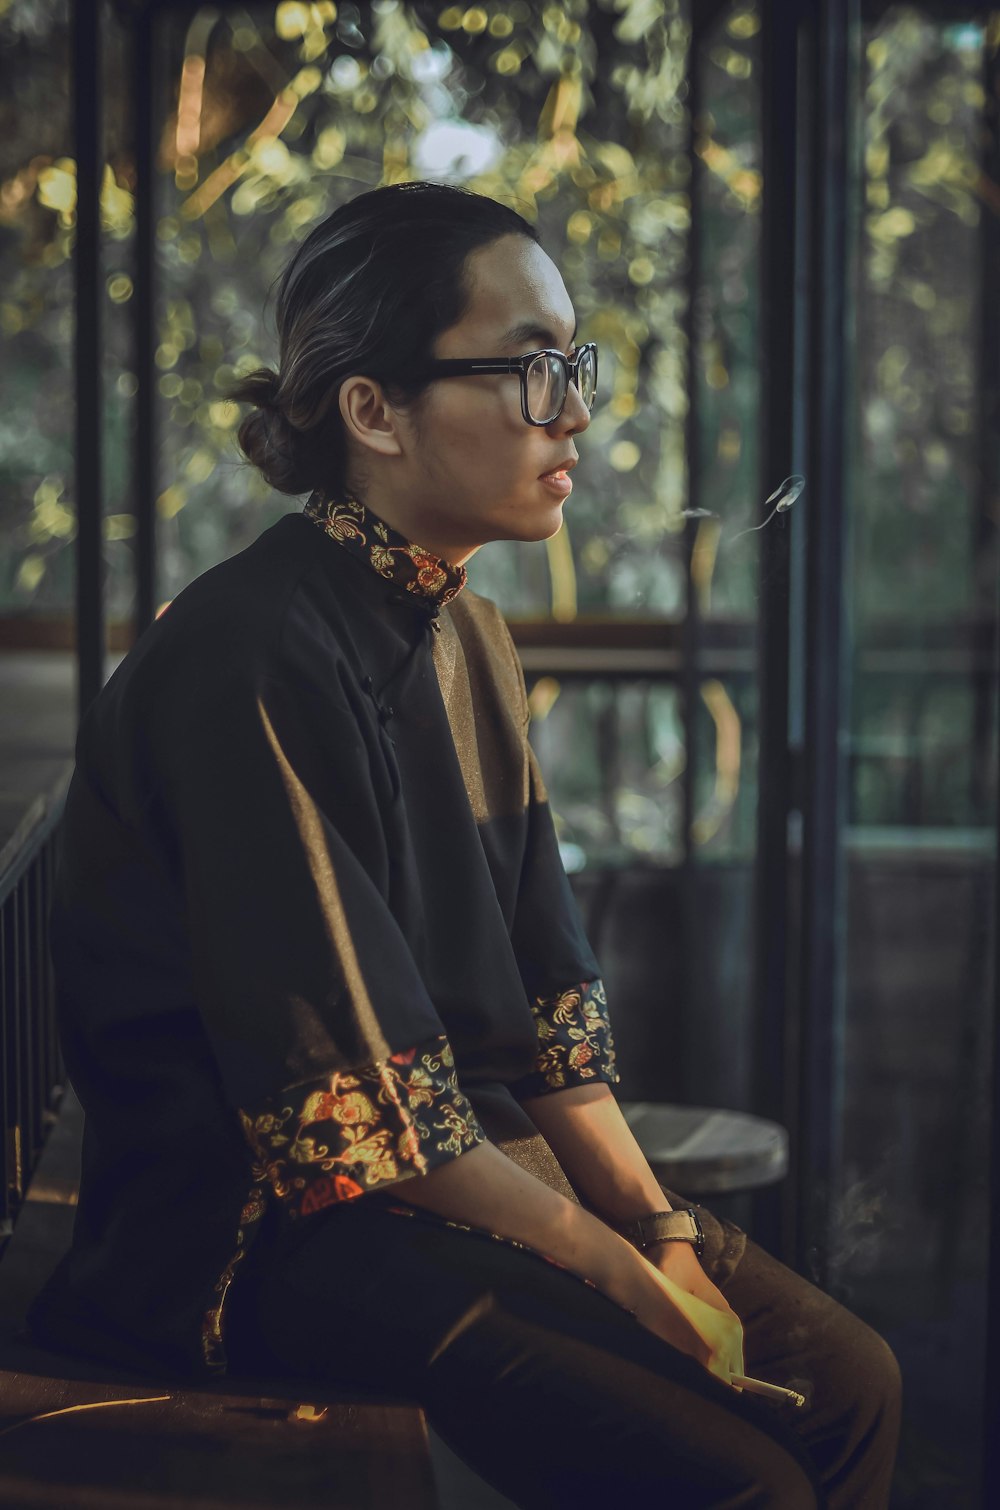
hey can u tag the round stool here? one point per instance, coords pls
(701, 1150)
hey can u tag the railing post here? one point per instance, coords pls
(30, 1062)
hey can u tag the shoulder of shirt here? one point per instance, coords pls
(479, 616)
(485, 616)
(479, 610)
(239, 622)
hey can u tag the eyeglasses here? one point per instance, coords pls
(545, 377)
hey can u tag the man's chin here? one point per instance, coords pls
(536, 526)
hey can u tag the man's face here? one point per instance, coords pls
(471, 468)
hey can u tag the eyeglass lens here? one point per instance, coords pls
(548, 380)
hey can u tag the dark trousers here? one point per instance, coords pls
(552, 1391)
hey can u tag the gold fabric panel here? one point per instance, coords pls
(484, 700)
(535, 1155)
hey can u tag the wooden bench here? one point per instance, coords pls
(69, 1440)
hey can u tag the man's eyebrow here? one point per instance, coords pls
(530, 330)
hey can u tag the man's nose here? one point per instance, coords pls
(575, 414)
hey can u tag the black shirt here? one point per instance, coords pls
(311, 931)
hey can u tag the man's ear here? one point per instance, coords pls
(368, 416)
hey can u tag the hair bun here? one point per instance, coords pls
(259, 388)
(268, 438)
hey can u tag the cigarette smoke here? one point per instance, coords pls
(860, 1221)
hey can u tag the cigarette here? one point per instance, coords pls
(770, 1391)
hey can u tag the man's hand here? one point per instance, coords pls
(668, 1290)
(679, 1264)
(700, 1324)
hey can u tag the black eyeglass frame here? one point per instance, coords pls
(444, 367)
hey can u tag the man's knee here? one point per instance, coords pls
(783, 1475)
(781, 1486)
(774, 1482)
(879, 1383)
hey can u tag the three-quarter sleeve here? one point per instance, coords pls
(575, 1043)
(329, 1048)
(332, 1139)
(561, 976)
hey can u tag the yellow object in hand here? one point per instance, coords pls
(721, 1330)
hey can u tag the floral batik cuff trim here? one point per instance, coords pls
(575, 1044)
(335, 1139)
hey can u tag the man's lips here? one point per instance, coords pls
(562, 468)
(557, 482)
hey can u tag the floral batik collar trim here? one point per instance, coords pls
(361, 531)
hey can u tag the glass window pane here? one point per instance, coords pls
(909, 1227)
(613, 757)
(37, 481)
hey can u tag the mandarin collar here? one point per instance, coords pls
(428, 578)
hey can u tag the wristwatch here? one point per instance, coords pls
(672, 1226)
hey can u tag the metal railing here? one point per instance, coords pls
(31, 1071)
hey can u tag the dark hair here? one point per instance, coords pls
(368, 291)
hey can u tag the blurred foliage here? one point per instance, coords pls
(923, 523)
(920, 291)
(271, 116)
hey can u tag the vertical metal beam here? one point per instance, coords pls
(87, 355)
(780, 254)
(834, 27)
(689, 683)
(144, 104)
(690, 633)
